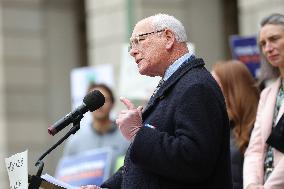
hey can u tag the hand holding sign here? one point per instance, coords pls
(129, 121)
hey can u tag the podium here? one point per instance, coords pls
(37, 182)
(47, 185)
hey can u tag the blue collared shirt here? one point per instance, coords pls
(173, 67)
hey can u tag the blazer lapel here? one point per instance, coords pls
(269, 110)
(281, 110)
(168, 84)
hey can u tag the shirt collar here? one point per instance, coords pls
(174, 66)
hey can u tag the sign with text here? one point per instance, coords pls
(17, 167)
(92, 167)
(245, 49)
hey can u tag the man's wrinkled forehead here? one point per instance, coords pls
(141, 27)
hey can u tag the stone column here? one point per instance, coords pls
(3, 124)
(252, 11)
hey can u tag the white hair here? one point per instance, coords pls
(162, 21)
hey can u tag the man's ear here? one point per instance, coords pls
(170, 37)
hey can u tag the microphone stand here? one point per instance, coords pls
(35, 180)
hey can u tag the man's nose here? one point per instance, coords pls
(133, 51)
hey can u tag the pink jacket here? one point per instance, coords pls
(254, 157)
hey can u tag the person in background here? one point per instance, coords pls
(181, 138)
(102, 132)
(263, 163)
(241, 96)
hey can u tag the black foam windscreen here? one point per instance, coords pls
(94, 100)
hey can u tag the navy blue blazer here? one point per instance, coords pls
(189, 148)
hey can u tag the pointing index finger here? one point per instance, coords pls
(127, 103)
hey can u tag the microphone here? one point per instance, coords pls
(92, 101)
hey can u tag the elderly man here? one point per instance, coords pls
(181, 139)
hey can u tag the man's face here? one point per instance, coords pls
(271, 40)
(148, 49)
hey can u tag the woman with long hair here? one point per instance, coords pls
(241, 96)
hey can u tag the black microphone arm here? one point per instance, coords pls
(35, 180)
(92, 101)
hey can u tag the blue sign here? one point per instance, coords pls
(245, 49)
(90, 168)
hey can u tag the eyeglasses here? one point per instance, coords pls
(137, 39)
